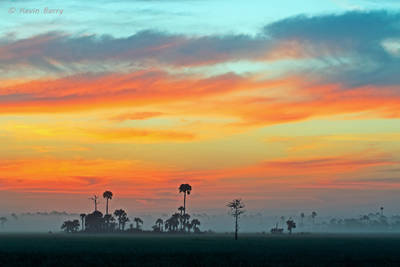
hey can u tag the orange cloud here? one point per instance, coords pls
(136, 116)
(150, 182)
(130, 134)
(249, 99)
(139, 88)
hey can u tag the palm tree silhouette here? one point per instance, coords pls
(159, 223)
(313, 215)
(290, 225)
(196, 223)
(237, 207)
(186, 189)
(302, 215)
(122, 218)
(186, 218)
(83, 215)
(181, 209)
(167, 225)
(108, 196)
(382, 211)
(138, 222)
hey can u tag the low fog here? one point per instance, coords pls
(250, 222)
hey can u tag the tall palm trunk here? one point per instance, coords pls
(184, 203)
(184, 209)
(236, 226)
(107, 207)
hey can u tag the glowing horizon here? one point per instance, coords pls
(298, 108)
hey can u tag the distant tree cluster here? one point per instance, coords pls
(96, 222)
(371, 222)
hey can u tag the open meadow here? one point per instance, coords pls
(201, 250)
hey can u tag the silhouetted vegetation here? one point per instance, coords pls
(290, 225)
(236, 207)
(108, 196)
(115, 222)
(276, 230)
(181, 222)
(70, 226)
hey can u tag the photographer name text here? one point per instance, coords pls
(36, 11)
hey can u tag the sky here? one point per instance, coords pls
(293, 106)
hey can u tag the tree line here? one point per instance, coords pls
(96, 222)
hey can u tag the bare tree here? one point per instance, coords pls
(95, 201)
(237, 208)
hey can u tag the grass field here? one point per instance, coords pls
(212, 250)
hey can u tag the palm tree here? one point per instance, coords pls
(186, 189)
(122, 218)
(181, 209)
(313, 215)
(138, 221)
(290, 225)
(108, 196)
(159, 223)
(302, 215)
(83, 215)
(237, 207)
(167, 224)
(382, 211)
(186, 218)
(196, 223)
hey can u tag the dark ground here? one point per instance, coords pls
(204, 250)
